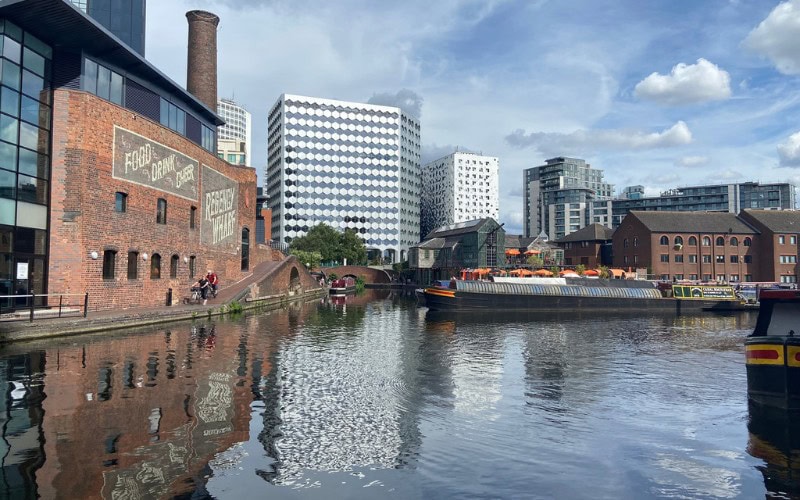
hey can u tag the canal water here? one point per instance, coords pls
(374, 397)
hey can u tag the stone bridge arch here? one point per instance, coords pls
(370, 275)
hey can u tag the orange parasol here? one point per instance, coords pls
(542, 272)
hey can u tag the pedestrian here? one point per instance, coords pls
(213, 281)
(203, 285)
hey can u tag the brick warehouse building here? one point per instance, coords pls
(109, 179)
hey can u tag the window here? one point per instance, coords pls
(102, 82)
(192, 261)
(720, 277)
(133, 265)
(706, 241)
(664, 241)
(734, 259)
(748, 259)
(693, 259)
(693, 277)
(788, 259)
(706, 277)
(720, 241)
(635, 242)
(635, 259)
(734, 277)
(625, 259)
(173, 117)
(161, 211)
(207, 140)
(121, 202)
(625, 243)
(192, 217)
(678, 240)
(155, 267)
(173, 266)
(793, 240)
(781, 239)
(706, 259)
(720, 259)
(734, 241)
(747, 242)
(109, 261)
(678, 258)
(664, 257)
(665, 277)
(692, 241)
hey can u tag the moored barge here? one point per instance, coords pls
(773, 351)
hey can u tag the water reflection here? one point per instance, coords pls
(374, 397)
(775, 439)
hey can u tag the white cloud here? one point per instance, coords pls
(407, 100)
(789, 151)
(692, 161)
(582, 141)
(776, 37)
(686, 84)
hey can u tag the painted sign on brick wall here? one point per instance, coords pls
(139, 160)
(220, 205)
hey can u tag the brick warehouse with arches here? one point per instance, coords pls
(109, 169)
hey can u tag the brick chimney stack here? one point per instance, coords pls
(201, 67)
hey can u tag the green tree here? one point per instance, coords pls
(321, 238)
(580, 269)
(307, 258)
(535, 261)
(604, 272)
(352, 248)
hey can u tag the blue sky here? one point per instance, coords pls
(658, 93)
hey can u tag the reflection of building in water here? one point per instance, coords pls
(342, 407)
(775, 439)
(477, 361)
(21, 448)
(136, 417)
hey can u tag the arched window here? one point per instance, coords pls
(173, 266)
(664, 240)
(245, 249)
(635, 241)
(625, 243)
(692, 241)
(734, 241)
(678, 240)
(747, 242)
(706, 241)
(155, 267)
(720, 241)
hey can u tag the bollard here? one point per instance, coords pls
(33, 302)
(86, 304)
(169, 296)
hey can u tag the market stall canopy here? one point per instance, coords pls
(512, 251)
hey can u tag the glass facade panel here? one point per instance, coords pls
(8, 184)
(103, 82)
(31, 189)
(12, 50)
(11, 75)
(9, 101)
(116, 88)
(33, 61)
(33, 164)
(32, 84)
(8, 156)
(8, 210)
(29, 136)
(30, 215)
(9, 129)
(90, 76)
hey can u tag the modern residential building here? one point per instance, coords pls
(235, 138)
(457, 188)
(447, 250)
(109, 177)
(732, 198)
(348, 165)
(125, 19)
(559, 194)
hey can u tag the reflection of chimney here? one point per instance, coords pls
(201, 67)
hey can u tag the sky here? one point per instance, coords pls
(661, 94)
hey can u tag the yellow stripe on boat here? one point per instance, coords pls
(441, 293)
(793, 356)
(764, 354)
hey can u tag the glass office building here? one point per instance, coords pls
(124, 18)
(348, 165)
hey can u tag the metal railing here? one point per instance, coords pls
(31, 307)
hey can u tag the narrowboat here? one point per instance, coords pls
(342, 286)
(554, 294)
(773, 351)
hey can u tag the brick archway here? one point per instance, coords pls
(369, 274)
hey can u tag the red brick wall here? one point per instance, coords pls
(83, 218)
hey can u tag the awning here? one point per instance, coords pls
(512, 251)
(532, 252)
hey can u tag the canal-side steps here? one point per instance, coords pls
(271, 284)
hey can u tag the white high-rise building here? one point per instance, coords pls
(235, 138)
(457, 188)
(348, 165)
